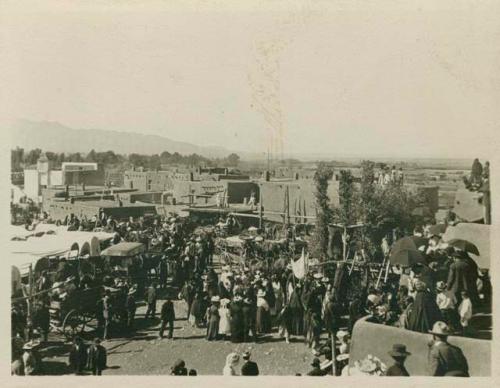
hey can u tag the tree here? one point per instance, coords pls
(32, 156)
(16, 159)
(232, 160)
(91, 157)
(324, 212)
(347, 213)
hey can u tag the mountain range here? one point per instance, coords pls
(56, 137)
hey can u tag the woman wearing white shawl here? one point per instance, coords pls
(232, 361)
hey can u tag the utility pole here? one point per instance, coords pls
(344, 235)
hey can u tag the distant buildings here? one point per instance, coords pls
(44, 175)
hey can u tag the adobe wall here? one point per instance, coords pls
(377, 340)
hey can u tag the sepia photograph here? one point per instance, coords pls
(251, 188)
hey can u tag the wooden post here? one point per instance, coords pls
(29, 303)
(334, 354)
(260, 216)
(344, 243)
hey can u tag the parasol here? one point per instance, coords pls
(464, 245)
(409, 242)
(406, 257)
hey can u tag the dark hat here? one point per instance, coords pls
(399, 350)
(316, 362)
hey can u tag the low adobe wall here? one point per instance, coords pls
(377, 340)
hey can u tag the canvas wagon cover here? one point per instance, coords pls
(124, 249)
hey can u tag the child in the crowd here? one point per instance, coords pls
(465, 312)
(447, 302)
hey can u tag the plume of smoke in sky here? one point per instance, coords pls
(264, 72)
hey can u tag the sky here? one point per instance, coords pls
(340, 78)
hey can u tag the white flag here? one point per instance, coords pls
(299, 266)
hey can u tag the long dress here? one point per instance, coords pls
(236, 322)
(196, 311)
(424, 314)
(224, 323)
(296, 311)
(263, 317)
(279, 299)
(213, 323)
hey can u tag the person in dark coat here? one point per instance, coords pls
(187, 293)
(163, 272)
(462, 276)
(167, 316)
(196, 314)
(237, 325)
(249, 368)
(425, 312)
(97, 357)
(399, 354)
(213, 319)
(78, 356)
(445, 359)
(316, 371)
(151, 298)
(249, 325)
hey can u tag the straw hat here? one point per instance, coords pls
(259, 239)
(341, 334)
(31, 345)
(441, 286)
(215, 299)
(342, 357)
(317, 276)
(440, 328)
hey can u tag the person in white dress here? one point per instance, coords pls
(224, 323)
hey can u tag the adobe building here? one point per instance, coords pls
(44, 175)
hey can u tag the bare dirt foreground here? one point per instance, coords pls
(146, 354)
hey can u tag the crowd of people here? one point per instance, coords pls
(242, 303)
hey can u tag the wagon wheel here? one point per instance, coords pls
(74, 323)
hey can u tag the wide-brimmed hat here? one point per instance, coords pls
(215, 299)
(31, 345)
(342, 357)
(259, 239)
(440, 328)
(316, 362)
(399, 350)
(341, 334)
(325, 279)
(317, 276)
(441, 286)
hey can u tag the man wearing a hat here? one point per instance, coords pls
(167, 316)
(249, 368)
(399, 354)
(316, 371)
(445, 359)
(97, 357)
